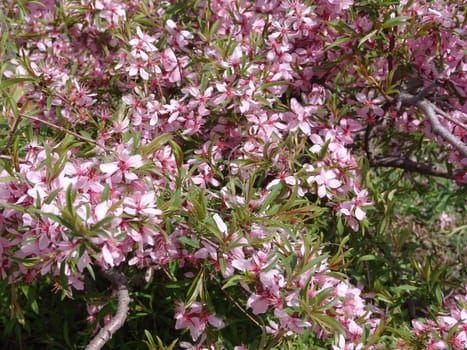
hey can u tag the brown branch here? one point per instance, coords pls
(400, 162)
(12, 134)
(448, 117)
(429, 110)
(65, 130)
(409, 165)
(10, 158)
(119, 283)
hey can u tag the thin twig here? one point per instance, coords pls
(9, 158)
(119, 283)
(65, 130)
(235, 302)
(12, 134)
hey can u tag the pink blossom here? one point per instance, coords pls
(142, 45)
(344, 345)
(258, 303)
(370, 104)
(295, 324)
(325, 179)
(122, 168)
(140, 203)
(299, 118)
(445, 220)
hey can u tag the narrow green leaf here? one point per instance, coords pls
(369, 257)
(272, 196)
(12, 81)
(52, 195)
(366, 38)
(189, 242)
(339, 42)
(155, 144)
(395, 22)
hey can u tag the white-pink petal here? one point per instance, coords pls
(109, 168)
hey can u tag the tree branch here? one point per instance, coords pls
(409, 165)
(65, 130)
(400, 162)
(448, 117)
(120, 283)
(429, 110)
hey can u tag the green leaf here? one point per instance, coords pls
(63, 276)
(189, 242)
(12, 81)
(105, 193)
(339, 42)
(52, 195)
(55, 218)
(151, 343)
(274, 83)
(366, 38)
(91, 271)
(272, 196)
(233, 281)
(196, 287)
(102, 222)
(327, 322)
(395, 22)
(27, 262)
(7, 179)
(368, 257)
(404, 288)
(16, 207)
(155, 144)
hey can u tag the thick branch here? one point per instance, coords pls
(448, 117)
(429, 110)
(399, 162)
(409, 165)
(120, 283)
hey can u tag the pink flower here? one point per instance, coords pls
(138, 67)
(222, 227)
(445, 220)
(325, 179)
(181, 36)
(186, 319)
(122, 168)
(370, 104)
(434, 344)
(344, 345)
(359, 202)
(341, 4)
(295, 324)
(265, 126)
(111, 11)
(299, 118)
(142, 45)
(459, 340)
(141, 204)
(258, 303)
(195, 319)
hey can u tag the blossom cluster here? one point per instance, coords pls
(159, 108)
(447, 331)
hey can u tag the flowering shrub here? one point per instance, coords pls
(215, 147)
